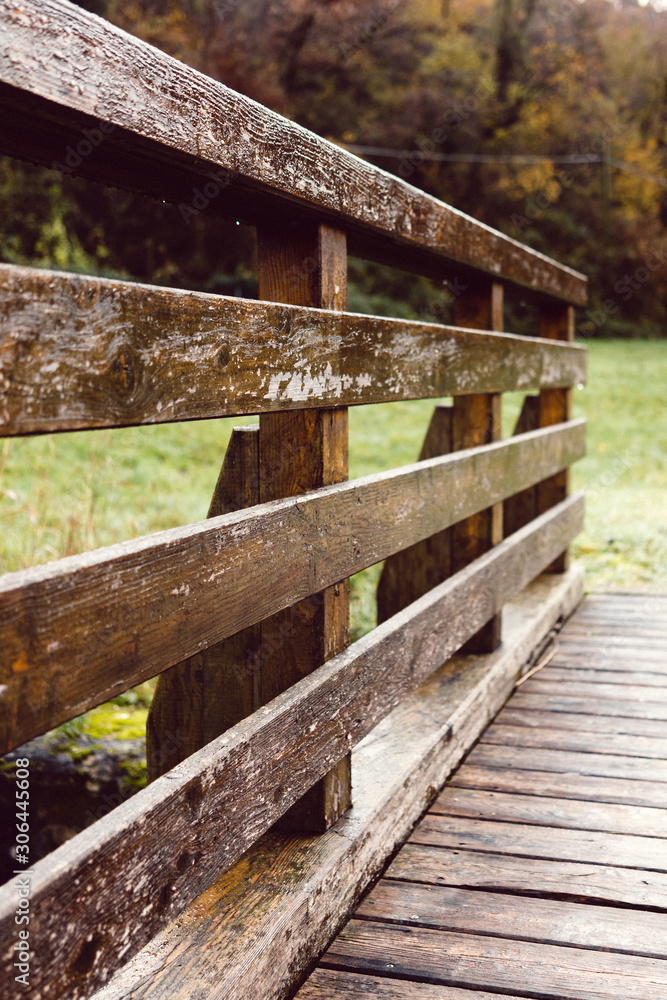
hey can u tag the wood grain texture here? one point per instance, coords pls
(529, 877)
(604, 765)
(562, 702)
(570, 786)
(152, 602)
(591, 723)
(83, 70)
(581, 742)
(258, 927)
(551, 812)
(298, 452)
(199, 698)
(409, 574)
(596, 689)
(331, 984)
(80, 352)
(636, 678)
(539, 970)
(618, 849)
(522, 508)
(221, 799)
(555, 406)
(477, 420)
(601, 928)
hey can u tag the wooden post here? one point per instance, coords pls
(476, 420)
(199, 698)
(409, 574)
(299, 451)
(555, 406)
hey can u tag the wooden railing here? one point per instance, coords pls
(249, 608)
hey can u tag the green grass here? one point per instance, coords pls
(63, 494)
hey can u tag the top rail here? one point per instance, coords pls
(160, 126)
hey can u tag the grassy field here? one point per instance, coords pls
(66, 493)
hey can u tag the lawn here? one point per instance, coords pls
(62, 494)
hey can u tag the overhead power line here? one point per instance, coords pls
(509, 158)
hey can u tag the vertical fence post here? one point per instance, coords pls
(555, 406)
(198, 699)
(476, 420)
(301, 450)
(408, 575)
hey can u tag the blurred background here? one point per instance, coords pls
(546, 119)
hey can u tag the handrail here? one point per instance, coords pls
(81, 352)
(66, 70)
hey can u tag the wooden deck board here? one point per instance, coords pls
(518, 880)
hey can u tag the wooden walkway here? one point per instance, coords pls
(541, 869)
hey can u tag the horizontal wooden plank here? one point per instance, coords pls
(307, 886)
(78, 631)
(620, 633)
(635, 678)
(617, 849)
(332, 984)
(605, 765)
(79, 352)
(599, 653)
(647, 660)
(589, 705)
(540, 971)
(581, 742)
(495, 872)
(220, 800)
(541, 684)
(552, 812)
(166, 116)
(603, 928)
(590, 723)
(586, 787)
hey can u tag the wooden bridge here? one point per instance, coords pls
(287, 765)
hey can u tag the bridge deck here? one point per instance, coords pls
(541, 869)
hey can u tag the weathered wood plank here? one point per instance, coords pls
(617, 849)
(522, 508)
(569, 786)
(596, 655)
(580, 742)
(542, 971)
(411, 573)
(591, 723)
(208, 693)
(602, 928)
(78, 631)
(80, 352)
(555, 406)
(301, 451)
(566, 880)
(589, 689)
(84, 71)
(287, 898)
(589, 706)
(552, 812)
(221, 799)
(562, 761)
(332, 984)
(477, 420)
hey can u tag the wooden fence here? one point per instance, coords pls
(249, 608)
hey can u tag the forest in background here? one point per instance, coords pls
(546, 119)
